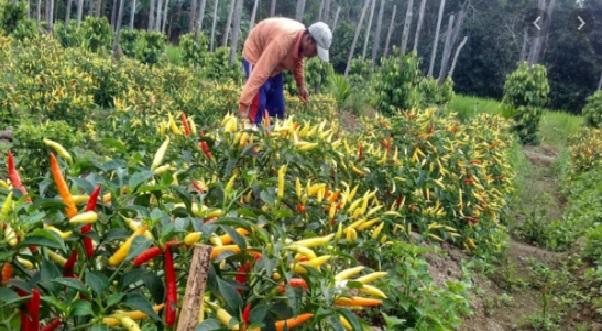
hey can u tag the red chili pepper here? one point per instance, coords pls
(33, 306)
(197, 187)
(186, 127)
(91, 206)
(300, 208)
(294, 282)
(171, 290)
(68, 268)
(13, 174)
(205, 146)
(360, 150)
(246, 313)
(147, 255)
(53, 325)
(399, 200)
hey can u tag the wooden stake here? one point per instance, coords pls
(195, 288)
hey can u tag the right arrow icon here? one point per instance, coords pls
(581, 22)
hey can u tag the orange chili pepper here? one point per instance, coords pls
(71, 210)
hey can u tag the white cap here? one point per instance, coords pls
(323, 37)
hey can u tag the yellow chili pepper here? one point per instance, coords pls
(160, 154)
(302, 250)
(314, 242)
(129, 324)
(85, 218)
(60, 150)
(62, 234)
(371, 277)
(369, 289)
(345, 274)
(57, 258)
(4, 212)
(281, 174)
(123, 251)
(26, 263)
(378, 230)
(10, 236)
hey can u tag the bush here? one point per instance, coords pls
(396, 83)
(194, 49)
(11, 15)
(592, 112)
(97, 34)
(525, 93)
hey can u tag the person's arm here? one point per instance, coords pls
(268, 61)
(299, 72)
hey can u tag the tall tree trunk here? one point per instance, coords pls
(39, 14)
(164, 21)
(446, 49)
(118, 30)
(453, 65)
(368, 29)
(253, 13)
(536, 46)
(228, 23)
(336, 18)
(436, 42)
(80, 10)
(407, 26)
(355, 36)
(379, 27)
(419, 24)
(132, 14)
(114, 10)
(159, 16)
(51, 21)
(320, 10)
(273, 8)
(235, 31)
(98, 8)
(213, 25)
(388, 41)
(201, 17)
(326, 15)
(191, 15)
(68, 11)
(151, 16)
(600, 83)
(300, 10)
(523, 51)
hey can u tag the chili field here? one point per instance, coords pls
(117, 169)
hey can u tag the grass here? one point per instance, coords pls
(174, 54)
(555, 126)
(467, 106)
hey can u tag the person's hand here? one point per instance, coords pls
(243, 112)
(303, 93)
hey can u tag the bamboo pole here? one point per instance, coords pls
(195, 288)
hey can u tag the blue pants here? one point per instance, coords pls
(270, 96)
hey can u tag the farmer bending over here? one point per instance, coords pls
(276, 44)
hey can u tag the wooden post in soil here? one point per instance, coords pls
(195, 288)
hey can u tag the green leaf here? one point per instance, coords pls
(96, 281)
(291, 297)
(230, 295)
(48, 273)
(210, 324)
(132, 277)
(102, 327)
(5, 255)
(44, 238)
(140, 177)
(8, 296)
(236, 237)
(49, 204)
(81, 307)
(258, 314)
(351, 318)
(139, 245)
(138, 301)
(155, 285)
(114, 299)
(72, 283)
(81, 182)
(114, 143)
(267, 198)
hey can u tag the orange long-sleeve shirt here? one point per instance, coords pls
(271, 47)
